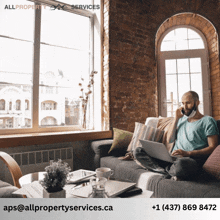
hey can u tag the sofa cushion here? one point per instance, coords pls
(144, 132)
(165, 124)
(167, 188)
(212, 164)
(121, 140)
(6, 190)
(128, 171)
(152, 122)
(123, 170)
(110, 162)
(100, 149)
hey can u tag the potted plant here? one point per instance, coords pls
(55, 179)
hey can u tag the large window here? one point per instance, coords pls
(45, 54)
(183, 66)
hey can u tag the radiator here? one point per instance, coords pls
(35, 161)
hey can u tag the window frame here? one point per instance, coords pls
(178, 54)
(95, 42)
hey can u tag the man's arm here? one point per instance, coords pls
(171, 135)
(212, 144)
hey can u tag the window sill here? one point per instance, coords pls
(51, 138)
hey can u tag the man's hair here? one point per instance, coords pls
(194, 95)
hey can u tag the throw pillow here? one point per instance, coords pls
(152, 121)
(121, 140)
(212, 164)
(165, 125)
(144, 132)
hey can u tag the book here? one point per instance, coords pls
(131, 192)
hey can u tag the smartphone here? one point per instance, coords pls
(183, 112)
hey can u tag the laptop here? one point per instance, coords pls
(157, 150)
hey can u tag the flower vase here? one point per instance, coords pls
(59, 194)
(84, 118)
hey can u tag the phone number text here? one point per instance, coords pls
(185, 207)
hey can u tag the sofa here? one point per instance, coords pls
(206, 185)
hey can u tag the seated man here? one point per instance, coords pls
(195, 136)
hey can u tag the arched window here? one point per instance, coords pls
(48, 121)
(48, 105)
(183, 66)
(2, 104)
(18, 105)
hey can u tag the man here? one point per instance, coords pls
(195, 136)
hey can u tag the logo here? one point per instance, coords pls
(88, 7)
(59, 7)
(9, 7)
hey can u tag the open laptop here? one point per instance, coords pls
(157, 150)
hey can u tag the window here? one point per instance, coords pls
(18, 105)
(52, 56)
(2, 104)
(48, 105)
(183, 66)
(48, 121)
(182, 39)
(26, 105)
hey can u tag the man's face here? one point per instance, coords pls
(188, 104)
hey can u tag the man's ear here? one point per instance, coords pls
(197, 102)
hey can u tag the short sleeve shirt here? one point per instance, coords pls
(193, 135)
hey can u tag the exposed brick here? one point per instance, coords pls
(130, 73)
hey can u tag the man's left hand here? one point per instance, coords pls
(181, 153)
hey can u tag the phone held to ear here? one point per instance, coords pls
(182, 111)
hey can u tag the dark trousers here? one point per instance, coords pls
(185, 168)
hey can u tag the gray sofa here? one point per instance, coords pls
(205, 186)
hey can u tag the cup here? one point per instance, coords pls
(104, 172)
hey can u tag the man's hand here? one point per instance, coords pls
(180, 153)
(179, 113)
(171, 135)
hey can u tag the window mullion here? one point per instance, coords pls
(177, 84)
(36, 68)
(190, 84)
(91, 48)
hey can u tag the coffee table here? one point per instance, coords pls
(31, 187)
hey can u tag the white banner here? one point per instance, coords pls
(118, 208)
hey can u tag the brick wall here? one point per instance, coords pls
(131, 73)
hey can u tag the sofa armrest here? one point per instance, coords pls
(100, 148)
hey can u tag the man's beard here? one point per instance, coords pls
(191, 110)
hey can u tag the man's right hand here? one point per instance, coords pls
(179, 113)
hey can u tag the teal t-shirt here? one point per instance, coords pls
(193, 135)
